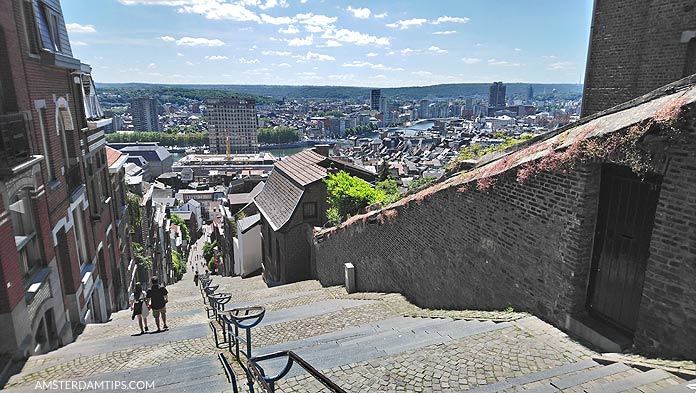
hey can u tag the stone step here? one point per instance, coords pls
(590, 375)
(310, 310)
(535, 377)
(631, 382)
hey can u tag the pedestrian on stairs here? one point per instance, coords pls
(195, 278)
(157, 298)
(139, 307)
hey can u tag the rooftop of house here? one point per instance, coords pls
(245, 197)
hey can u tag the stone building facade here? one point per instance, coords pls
(233, 121)
(636, 47)
(563, 245)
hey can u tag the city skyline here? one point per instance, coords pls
(313, 42)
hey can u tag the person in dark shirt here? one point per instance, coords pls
(157, 299)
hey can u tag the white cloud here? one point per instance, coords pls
(450, 19)
(372, 54)
(280, 20)
(216, 58)
(283, 65)
(405, 24)
(495, 62)
(436, 49)
(214, 9)
(562, 66)
(314, 56)
(360, 13)
(78, 43)
(314, 29)
(248, 61)
(273, 3)
(355, 37)
(315, 20)
(333, 44)
(367, 64)
(191, 41)
(422, 73)
(289, 30)
(518, 50)
(446, 32)
(152, 66)
(179, 54)
(167, 38)
(471, 60)
(408, 51)
(78, 28)
(549, 57)
(307, 41)
(381, 16)
(275, 53)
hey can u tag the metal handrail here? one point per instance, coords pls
(267, 383)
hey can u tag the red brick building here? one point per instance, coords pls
(55, 190)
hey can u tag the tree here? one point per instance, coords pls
(277, 135)
(136, 217)
(182, 226)
(209, 251)
(179, 263)
(141, 258)
(421, 183)
(348, 194)
(390, 190)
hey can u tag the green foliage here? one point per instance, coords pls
(421, 183)
(509, 309)
(390, 190)
(182, 129)
(209, 251)
(136, 218)
(333, 113)
(277, 135)
(359, 130)
(165, 139)
(182, 226)
(179, 263)
(179, 95)
(334, 216)
(348, 194)
(476, 151)
(141, 257)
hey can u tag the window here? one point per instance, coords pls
(30, 27)
(79, 232)
(690, 64)
(48, 151)
(51, 19)
(8, 102)
(24, 229)
(309, 210)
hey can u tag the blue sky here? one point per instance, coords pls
(322, 42)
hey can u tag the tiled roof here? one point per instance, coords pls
(302, 167)
(278, 199)
(245, 197)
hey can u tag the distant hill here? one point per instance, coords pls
(446, 91)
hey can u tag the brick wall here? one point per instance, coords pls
(515, 245)
(527, 246)
(668, 308)
(635, 47)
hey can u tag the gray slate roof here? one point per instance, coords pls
(278, 199)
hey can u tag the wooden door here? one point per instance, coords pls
(622, 240)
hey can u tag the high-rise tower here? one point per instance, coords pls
(233, 118)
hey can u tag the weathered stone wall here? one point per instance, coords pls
(636, 47)
(667, 321)
(526, 246)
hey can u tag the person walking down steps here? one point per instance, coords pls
(157, 297)
(139, 306)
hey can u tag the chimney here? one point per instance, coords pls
(322, 149)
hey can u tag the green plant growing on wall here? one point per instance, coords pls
(179, 264)
(209, 251)
(182, 226)
(141, 258)
(390, 190)
(419, 184)
(348, 194)
(136, 218)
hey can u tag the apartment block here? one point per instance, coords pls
(233, 122)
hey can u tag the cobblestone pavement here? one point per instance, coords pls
(440, 359)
